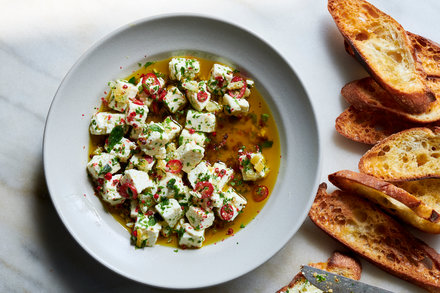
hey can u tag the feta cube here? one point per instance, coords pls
(190, 155)
(204, 122)
(234, 106)
(199, 218)
(136, 113)
(170, 186)
(221, 175)
(147, 230)
(122, 150)
(102, 123)
(186, 136)
(141, 162)
(232, 205)
(219, 79)
(174, 99)
(153, 140)
(183, 68)
(138, 179)
(146, 200)
(202, 172)
(121, 92)
(110, 192)
(191, 237)
(170, 210)
(253, 166)
(102, 164)
(200, 97)
(137, 130)
(171, 127)
(152, 86)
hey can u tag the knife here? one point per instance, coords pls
(329, 282)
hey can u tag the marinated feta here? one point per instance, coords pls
(199, 121)
(121, 92)
(183, 68)
(102, 123)
(102, 164)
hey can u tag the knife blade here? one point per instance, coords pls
(329, 282)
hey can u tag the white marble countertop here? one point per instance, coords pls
(41, 40)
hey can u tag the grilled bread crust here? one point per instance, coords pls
(382, 46)
(416, 211)
(369, 232)
(369, 126)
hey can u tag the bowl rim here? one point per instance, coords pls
(111, 35)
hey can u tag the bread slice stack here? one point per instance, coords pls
(404, 82)
(338, 263)
(376, 236)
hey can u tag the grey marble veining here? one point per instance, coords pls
(41, 40)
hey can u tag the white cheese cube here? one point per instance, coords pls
(219, 79)
(147, 230)
(171, 186)
(153, 140)
(141, 162)
(121, 92)
(249, 83)
(200, 97)
(204, 122)
(122, 150)
(137, 130)
(221, 175)
(146, 200)
(190, 155)
(171, 127)
(232, 205)
(190, 85)
(187, 136)
(202, 172)
(138, 179)
(102, 123)
(110, 192)
(183, 68)
(102, 164)
(253, 166)
(136, 113)
(236, 199)
(199, 218)
(170, 210)
(152, 87)
(174, 100)
(191, 237)
(234, 106)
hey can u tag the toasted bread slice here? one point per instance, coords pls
(368, 231)
(426, 50)
(397, 201)
(429, 54)
(384, 49)
(366, 94)
(407, 155)
(338, 263)
(368, 126)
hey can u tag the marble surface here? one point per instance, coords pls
(41, 40)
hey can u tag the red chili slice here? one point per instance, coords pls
(238, 93)
(260, 192)
(149, 159)
(227, 212)
(127, 190)
(144, 82)
(205, 188)
(108, 176)
(220, 81)
(174, 166)
(137, 102)
(202, 96)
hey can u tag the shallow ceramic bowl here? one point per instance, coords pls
(66, 142)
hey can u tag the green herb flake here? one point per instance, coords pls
(148, 64)
(132, 80)
(115, 136)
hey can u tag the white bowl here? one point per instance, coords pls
(66, 142)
